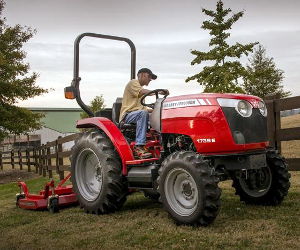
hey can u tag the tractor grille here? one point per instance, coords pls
(246, 129)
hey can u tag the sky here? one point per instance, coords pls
(163, 31)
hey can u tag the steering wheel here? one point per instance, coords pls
(163, 92)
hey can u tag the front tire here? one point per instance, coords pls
(270, 187)
(152, 195)
(189, 189)
(96, 174)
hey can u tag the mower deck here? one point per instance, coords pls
(50, 198)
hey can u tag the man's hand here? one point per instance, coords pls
(164, 92)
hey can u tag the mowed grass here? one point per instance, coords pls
(143, 224)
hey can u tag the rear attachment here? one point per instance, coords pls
(51, 198)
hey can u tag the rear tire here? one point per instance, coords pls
(275, 183)
(97, 174)
(189, 189)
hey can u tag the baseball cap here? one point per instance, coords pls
(145, 70)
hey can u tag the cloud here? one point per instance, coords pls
(164, 34)
(105, 69)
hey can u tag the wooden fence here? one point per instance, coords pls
(43, 160)
(278, 134)
(50, 157)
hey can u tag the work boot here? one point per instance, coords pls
(141, 152)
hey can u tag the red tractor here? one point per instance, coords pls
(196, 141)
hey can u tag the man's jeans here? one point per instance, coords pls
(140, 118)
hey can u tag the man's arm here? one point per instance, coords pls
(144, 91)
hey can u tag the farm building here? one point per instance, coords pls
(57, 122)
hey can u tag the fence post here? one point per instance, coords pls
(59, 159)
(277, 127)
(12, 154)
(40, 160)
(35, 159)
(48, 160)
(36, 163)
(274, 120)
(28, 159)
(44, 162)
(271, 122)
(1, 164)
(20, 159)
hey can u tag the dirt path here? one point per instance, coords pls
(14, 175)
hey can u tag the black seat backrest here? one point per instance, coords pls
(107, 113)
(116, 108)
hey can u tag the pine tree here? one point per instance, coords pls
(263, 78)
(224, 75)
(16, 83)
(96, 104)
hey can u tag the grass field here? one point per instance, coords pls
(291, 149)
(143, 224)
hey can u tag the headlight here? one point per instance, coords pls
(244, 108)
(262, 108)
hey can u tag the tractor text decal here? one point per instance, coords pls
(186, 103)
(206, 140)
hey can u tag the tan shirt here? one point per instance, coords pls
(131, 100)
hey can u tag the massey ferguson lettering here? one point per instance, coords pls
(185, 103)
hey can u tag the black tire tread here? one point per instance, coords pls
(210, 182)
(117, 191)
(151, 194)
(279, 187)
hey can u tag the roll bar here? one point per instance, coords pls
(73, 91)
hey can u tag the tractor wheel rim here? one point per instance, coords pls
(89, 174)
(262, 187)
(181, 192)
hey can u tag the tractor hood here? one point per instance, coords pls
(206, 99)
(217, 123)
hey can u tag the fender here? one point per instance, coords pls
(114, 134)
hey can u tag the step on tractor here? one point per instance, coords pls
(196, 141)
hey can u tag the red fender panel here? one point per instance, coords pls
(114, 134)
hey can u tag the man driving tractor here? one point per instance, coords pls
(197, 140)
(133, 111)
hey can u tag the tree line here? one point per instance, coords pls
(259, 77)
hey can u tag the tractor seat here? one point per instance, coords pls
(116, 108)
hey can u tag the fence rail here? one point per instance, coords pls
(278, 134)
(50, 157)
(45, 159)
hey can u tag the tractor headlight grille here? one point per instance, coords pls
(262, 108)
(247, 124)
(243, 107)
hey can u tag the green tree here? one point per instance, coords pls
(224, 75)
(263, 78)
(16, 82)
(96, 104)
